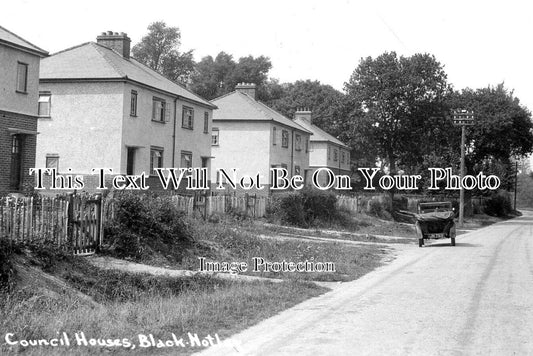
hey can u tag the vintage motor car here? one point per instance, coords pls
(434, 220)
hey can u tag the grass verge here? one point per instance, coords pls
(135, 305)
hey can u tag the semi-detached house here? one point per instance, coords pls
(19, 82)
(253, 138)
(326, 151)
(101, 108)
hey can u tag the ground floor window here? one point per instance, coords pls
(16, 162)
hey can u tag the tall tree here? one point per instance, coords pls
(324, 101)
(159, 50)
(389, 103)
(503, 128)
(218, 76)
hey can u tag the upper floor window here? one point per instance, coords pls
(22, 77)
(297, 170)
(52, 161)
(214, 136)
(206, 122)
(133, 103)
(335, 155)
(159, 110)
(186, 159)
(343, 157)
(306, 145)
(44, 104)
(274, 135)
(329, 153)
(284, 138)
(187, 119)
(156, 159)
(298, 142)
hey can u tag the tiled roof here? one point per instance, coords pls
(319, 134)
(237, 106)
(10, 37)
(93, 61)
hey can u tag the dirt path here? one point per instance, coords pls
(474, 298)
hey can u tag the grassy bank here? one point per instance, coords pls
(133, 305)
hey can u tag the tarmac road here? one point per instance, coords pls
(474, 298)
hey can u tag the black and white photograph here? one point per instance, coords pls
(266, 178)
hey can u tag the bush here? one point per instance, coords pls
(380, 206)
(499, 204)
(304, 208)
(7, 270)
(143, 223)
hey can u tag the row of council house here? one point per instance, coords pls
(94, 106)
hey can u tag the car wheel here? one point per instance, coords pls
(420, 242)
(453, 241)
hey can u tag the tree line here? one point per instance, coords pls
(395, 110)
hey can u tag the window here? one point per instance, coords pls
(130, 161)
(284, 138)
(16, 162)
(214, 137)
(297, 170)
(187, 119)
(206, 122)
(43, 108)
(133, 103)
(159, 110)
(329, 153)
(335, 155)
(343, 157)
(186, 159)
(274, 135)
(52, 161)
(156, 159)
(306, 145)
(22, 77)
(298, 142)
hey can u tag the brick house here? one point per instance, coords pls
(325, 150)
(251, 137)
(19, 93)
(104, 109)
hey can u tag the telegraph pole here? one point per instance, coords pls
(463, 118)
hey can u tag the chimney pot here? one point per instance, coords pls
(119, 42)
(304, 114)
(247, 88)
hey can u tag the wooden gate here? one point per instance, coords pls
(85, 223)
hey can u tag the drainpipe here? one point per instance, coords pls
(292, 152)
(174, 131)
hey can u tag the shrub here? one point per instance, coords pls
(7, 270)
(499, 204)
(143, 223)
(380, 206)
(304, 208)
(399, 203)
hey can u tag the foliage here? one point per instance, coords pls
(389, 101)
(323, 100)
(159, 50)
(218, 76)
(499, 204)
(7, 270)
(305, 208)
(144, 223)
(503, 127)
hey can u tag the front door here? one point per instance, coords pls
(16, 162)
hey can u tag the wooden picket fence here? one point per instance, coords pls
(68, 222)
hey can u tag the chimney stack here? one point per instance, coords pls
(246, 88)
(303, 114)
(119, 42)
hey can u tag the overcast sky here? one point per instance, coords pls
(478, 42)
